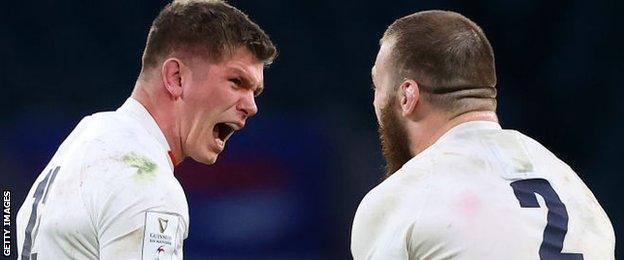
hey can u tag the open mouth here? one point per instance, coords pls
(223, 131)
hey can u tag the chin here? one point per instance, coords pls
(208, 159)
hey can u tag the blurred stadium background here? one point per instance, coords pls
(288, 185)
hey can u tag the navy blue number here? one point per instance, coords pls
(40, 193)
(557, 218)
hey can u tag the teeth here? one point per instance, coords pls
(233, 126)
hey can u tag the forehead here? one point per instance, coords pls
(238, 61)
(382, 60)
(243, 61)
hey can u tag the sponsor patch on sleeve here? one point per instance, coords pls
(160, 236)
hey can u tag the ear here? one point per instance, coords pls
(172, 77)
(410, 95)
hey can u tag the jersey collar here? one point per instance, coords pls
(135, 109)
(455, 131)
(467, 126)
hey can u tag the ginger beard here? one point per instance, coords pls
(394, 140)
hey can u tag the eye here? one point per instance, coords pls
(238, 82)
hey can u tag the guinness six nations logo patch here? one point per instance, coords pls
(160, 239)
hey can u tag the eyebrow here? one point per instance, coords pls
(259, 90)
(249, 82)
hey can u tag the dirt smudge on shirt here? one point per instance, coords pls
(145, 167)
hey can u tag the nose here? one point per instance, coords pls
(248, 105)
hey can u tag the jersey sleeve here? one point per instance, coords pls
(137, 208)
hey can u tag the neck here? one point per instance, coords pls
(426, 133)
(160, 106)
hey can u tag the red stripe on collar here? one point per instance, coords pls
(172, 157)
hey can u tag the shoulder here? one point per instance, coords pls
(536, 147)
(125, 160)
(388, 211)
(517, 147)
(125, 185)
(114, 138)
(108, 147)
(120, 161)
(405, 190)
(115, 128)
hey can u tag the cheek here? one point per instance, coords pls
(197, 116)
(202, 102)
(218, 96)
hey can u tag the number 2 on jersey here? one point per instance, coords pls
(556, 220)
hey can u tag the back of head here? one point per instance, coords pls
(209, 29)
(448, 56)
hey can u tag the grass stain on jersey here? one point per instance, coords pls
(145, 166)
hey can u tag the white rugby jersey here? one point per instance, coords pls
(480, 192)
(108, 193)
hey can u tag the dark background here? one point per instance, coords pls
(288, 185)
